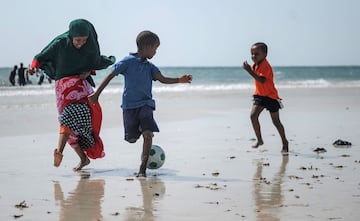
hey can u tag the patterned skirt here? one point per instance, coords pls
(77, 117)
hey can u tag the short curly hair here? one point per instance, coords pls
(263, 47)
(146, 38)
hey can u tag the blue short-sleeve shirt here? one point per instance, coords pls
(138, 77)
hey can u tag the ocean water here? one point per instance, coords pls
(211, 79)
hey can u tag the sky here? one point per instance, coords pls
(192, 32)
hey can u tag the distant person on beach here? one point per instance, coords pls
(137, 102)
(13, 75)
(21, 75)
(266, 95)
(70, 59)
(41, 74)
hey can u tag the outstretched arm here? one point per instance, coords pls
(247, 67)
(187, 78)
(95, 96)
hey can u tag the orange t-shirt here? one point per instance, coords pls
(267, 88)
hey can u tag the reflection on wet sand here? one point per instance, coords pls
(268, 193)
(84, 202)
(153, 189)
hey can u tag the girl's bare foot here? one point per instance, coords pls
(57, 157)
(259, 143)
(82, 164)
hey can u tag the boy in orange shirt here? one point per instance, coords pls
(266, 95)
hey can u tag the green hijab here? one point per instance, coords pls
(61, 59)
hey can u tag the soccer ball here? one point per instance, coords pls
(156, 157)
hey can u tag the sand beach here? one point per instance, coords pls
(211, 172)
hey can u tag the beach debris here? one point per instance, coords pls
(216, 203)
(211, 186)
(18, 216)
(345, 155)
(264, 180)
(115, 214)
(317, 176)
(129, 179)
(295, 177)
(215, 174)
(232, 157)
(339, 142)
(22, 205)
(266, 164)
(339, 166)
(198, 186)
(320, 150)
(308, 168)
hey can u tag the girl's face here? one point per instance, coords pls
(257, 55)
(78, 42)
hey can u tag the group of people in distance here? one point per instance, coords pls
(22, 73)
(73, 57)
(23, 76)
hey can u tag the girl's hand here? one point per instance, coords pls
(33, 70)
(187, 78)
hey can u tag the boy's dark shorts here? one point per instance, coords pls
(138, 120)
(266, 102)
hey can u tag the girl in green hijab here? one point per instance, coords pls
(70, 59)
(66, 56)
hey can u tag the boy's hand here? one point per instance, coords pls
(246, 66)
(187, 78)
(93, 98)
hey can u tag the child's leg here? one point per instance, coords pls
(276, 121)
(147, 135)
(84, 160)
(63, 137)
(254, 116)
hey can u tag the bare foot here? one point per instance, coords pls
(82, 164)
(259, 143)
(57, 158)
(141, 175)
(285, 148)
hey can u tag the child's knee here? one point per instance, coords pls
(148, 135)
(277, 122)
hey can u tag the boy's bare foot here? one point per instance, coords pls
(141, 175)
(259, 143)
(57, 158)
(285, 148)
(82, 164)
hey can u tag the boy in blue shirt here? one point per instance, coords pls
(137, 102)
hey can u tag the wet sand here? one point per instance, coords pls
(211, 172)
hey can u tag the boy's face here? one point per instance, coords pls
(257, 55)
(150, 51)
